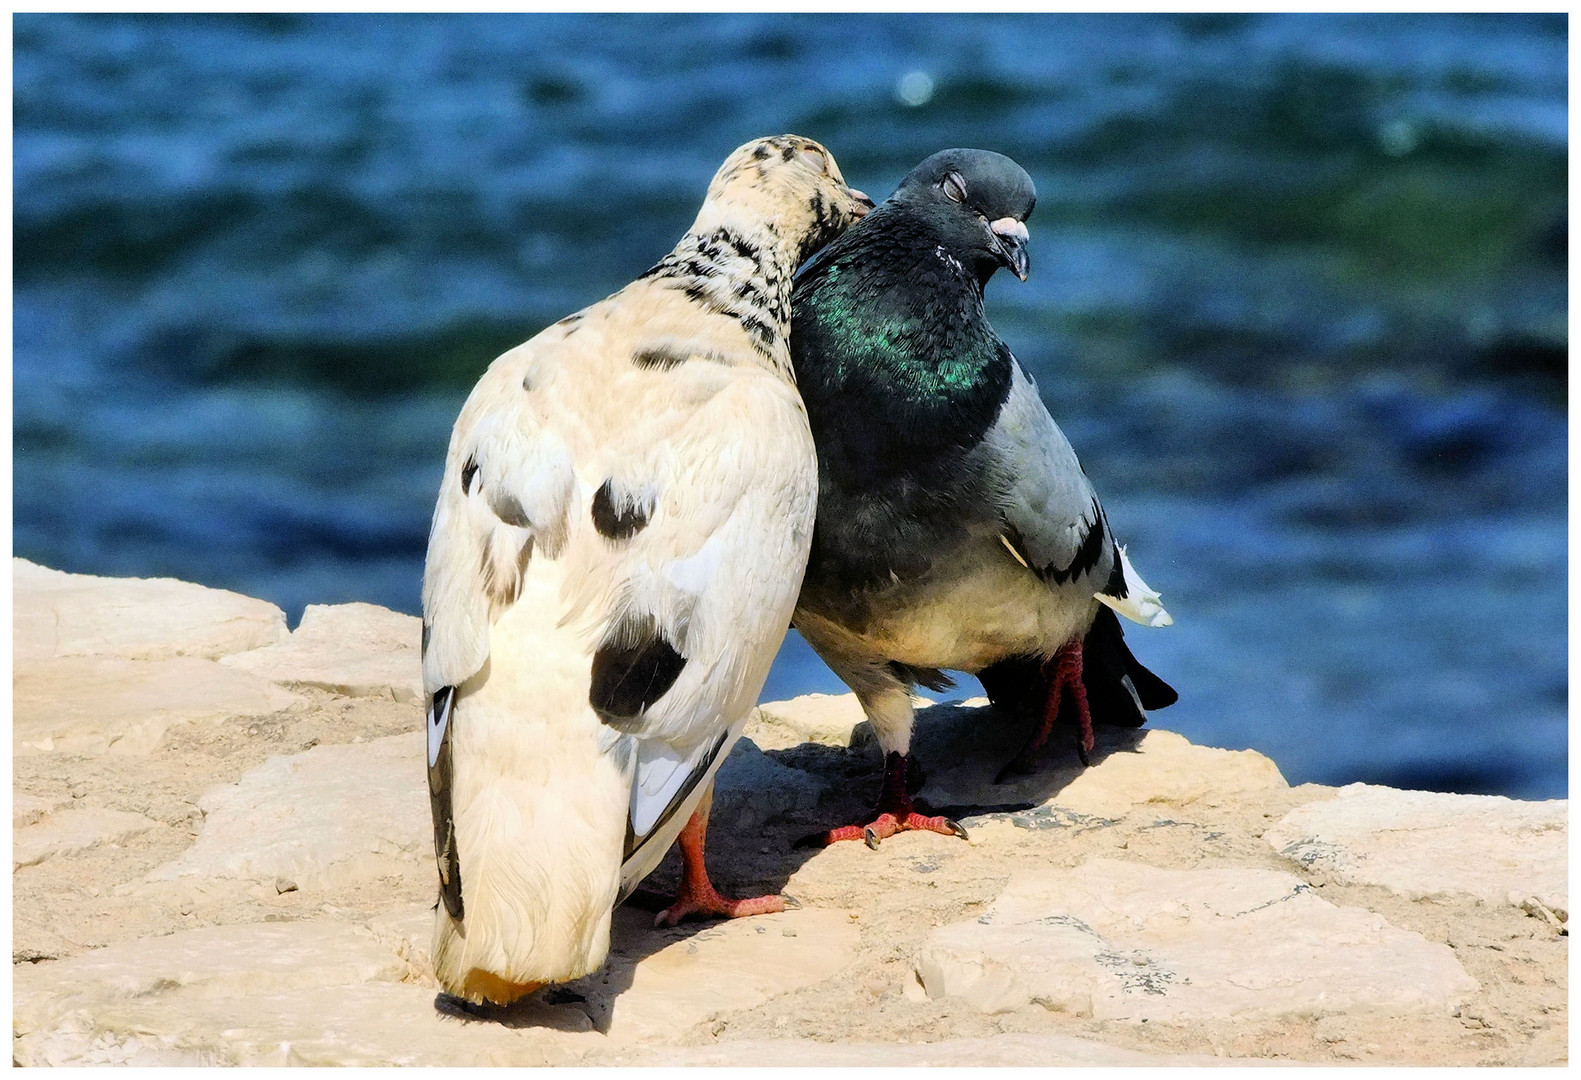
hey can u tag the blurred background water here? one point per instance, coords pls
(1298, 298)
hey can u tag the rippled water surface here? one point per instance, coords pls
(1298, 298)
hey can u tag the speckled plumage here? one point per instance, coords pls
(619, 536)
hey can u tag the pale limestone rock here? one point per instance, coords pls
(109, 704)
(409, 933)
(71, 831)
(31, 809)
(327, 817)
(643, 995)
(222, 961)
(751, 787)
(287, 993)
(820, 718)
(654, 987)
(367, 1024)
(1166, 768)
(360, 650)
(55, 614)
(322, 993)
(1039, 1051)
(1428, 844)
(1116, 940)
(32, 941)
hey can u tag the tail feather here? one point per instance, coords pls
(1119, 689)
(1137, 601)
(1153, 692)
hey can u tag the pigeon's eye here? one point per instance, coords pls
(954, 187)
(816, 158)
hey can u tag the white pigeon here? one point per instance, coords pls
(620, 535)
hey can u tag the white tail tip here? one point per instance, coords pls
(1141, 604)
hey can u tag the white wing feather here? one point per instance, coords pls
(1142, 603)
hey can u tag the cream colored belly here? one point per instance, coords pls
(964, 617)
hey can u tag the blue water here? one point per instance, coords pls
(1298, 297)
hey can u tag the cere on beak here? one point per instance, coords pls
(1010, 236)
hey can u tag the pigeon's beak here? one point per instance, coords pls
(861, 204)
(1010, 236)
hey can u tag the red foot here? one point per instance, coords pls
(895, 813)
(697, 897)
(708, 904)
(1064, 677)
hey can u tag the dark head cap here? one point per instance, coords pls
(981, 201)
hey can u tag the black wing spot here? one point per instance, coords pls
(660, 358)
(618, 518)
(440, 775)
(1086, 555)
(509, 509)
(665, 357)
(634, 667)
(468, 471)
(427, 633)
(1115, 586)
(504, 593)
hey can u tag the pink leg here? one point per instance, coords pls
(697, 897)
(895, 812)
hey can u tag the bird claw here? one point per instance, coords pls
(708, 904)
(883, 827)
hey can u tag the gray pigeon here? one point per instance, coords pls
(956, 529)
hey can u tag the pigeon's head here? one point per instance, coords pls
(980, 201)
(794, 185)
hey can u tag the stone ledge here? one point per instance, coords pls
(359, 650)
(329, 817)
(1424, 844)
(1172, 904)
(57, 614)
(1117, 940)
(112, 705)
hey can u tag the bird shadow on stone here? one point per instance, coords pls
(961, 749)
(549, 1009)
(752, 850)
